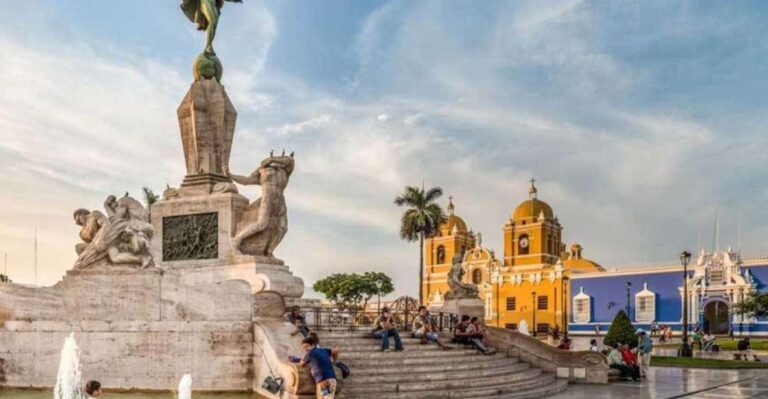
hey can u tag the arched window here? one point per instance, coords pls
(477, 276)
(523, 245)
(440, 255)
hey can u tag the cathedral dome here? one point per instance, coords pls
(532, 207)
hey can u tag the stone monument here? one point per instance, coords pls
(205, 226)
(461, 298)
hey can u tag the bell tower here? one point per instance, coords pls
(532, 236)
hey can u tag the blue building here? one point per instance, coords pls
(716, 282)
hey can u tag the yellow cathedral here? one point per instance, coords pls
(530, 281)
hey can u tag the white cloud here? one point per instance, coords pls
(382, 117)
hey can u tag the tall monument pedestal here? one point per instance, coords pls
(195, 225)
(472, 307)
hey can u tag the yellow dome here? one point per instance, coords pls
(532, 207)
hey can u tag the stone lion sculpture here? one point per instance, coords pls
(265, 221)
(122, 237)
(457, 289)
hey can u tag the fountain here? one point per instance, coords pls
(185, 387)
(68, 381)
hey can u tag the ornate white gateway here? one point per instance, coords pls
(716, 283)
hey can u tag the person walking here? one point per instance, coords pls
(385, 328)
(644, 349)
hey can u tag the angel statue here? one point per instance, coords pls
(122, 239)
(265, 221)
(205, 13)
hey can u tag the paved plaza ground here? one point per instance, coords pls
(668, 383)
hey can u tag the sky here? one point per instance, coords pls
(638, 119)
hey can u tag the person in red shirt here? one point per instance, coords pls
(631, 361)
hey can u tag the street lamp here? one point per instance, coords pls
(566, 302)
(533, 306)
(628, 285)
(685, 349)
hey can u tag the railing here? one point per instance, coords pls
(361, 320)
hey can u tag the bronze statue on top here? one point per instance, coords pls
(205, 13)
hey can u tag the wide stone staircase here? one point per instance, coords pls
(426, 372)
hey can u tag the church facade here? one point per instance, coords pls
(717, 281)
(527, 285)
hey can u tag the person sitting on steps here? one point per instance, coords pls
(462, 335)
(615, 361)
(93, 389)
(424, 329)
(298, 320)
(385, 327)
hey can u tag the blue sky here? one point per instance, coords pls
(637, 118)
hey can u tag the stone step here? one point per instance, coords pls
(461, 389)
(371, 376)
(486, 362)
(381, 361)
(376, 347)
(530, 393)
(456, 353)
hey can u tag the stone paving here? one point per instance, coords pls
(669, 383)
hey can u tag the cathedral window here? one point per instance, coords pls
(542, 302)
(477, 276)
(581, 306)
(645, 305)
(440, 255)
(511, 303)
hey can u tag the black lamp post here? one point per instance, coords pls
(629, 286)
(685, 349)
(533, 306)
(566, 302)
(378, 294)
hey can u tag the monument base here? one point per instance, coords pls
(472, 307)
(260, 275)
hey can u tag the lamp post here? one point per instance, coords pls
(533, 306)
(629, 286)
(685, 349)
(566, 302)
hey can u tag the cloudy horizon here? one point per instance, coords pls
(638, 120)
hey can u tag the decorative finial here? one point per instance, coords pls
(532, 191)
(283, 152)
(450, 205)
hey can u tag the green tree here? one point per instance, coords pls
(353, 290)
(756, 305)
(149, 196)
(621, 330)
(4, 278)
(421, 220)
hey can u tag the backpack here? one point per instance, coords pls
(344, 369)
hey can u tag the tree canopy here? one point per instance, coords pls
(756, 305)
(149, 196)
(350, 290)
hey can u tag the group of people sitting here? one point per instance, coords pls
(632, 363)
(323, 361)
(663, 331)
(468, 331)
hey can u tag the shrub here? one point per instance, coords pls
(621, 330)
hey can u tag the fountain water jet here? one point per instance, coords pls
(69, 379)
(185, 387)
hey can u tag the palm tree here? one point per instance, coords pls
(421, 220)
(149, 197)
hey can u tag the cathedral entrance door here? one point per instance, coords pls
(716, 317)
